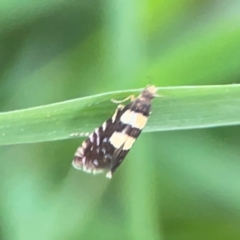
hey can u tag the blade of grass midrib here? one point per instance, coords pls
(187, 107)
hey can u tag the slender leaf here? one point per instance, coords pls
(177, 108)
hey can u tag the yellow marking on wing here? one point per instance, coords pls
(140, 122)
(118, 139)
(136, 120)
(127, 116)
(129, 142)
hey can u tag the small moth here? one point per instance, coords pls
(108, 145)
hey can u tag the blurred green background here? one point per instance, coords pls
(172, 185)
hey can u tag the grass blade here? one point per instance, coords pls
(178, 108)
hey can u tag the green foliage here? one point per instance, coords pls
(179, 185)
(176, 108)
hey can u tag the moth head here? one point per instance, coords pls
(149, 92)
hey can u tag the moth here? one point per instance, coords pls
(108, 145)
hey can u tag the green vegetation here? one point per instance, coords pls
(61, 64)
(176, 108)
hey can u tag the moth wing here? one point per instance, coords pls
(95, 154)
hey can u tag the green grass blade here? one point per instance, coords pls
(177, 108)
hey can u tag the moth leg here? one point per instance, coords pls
(79, 134)
(131, 97)
(117, 112)
(120, 107)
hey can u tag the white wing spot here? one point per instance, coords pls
(83, 160)
(79, 152)
(91, 138)
(104, 126)
(104, 150)
(98, 141)
(95, 162)
(105, 140)
(109, 175)
(108, 156)
(84, 144)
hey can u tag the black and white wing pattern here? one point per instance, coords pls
(108, 145)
